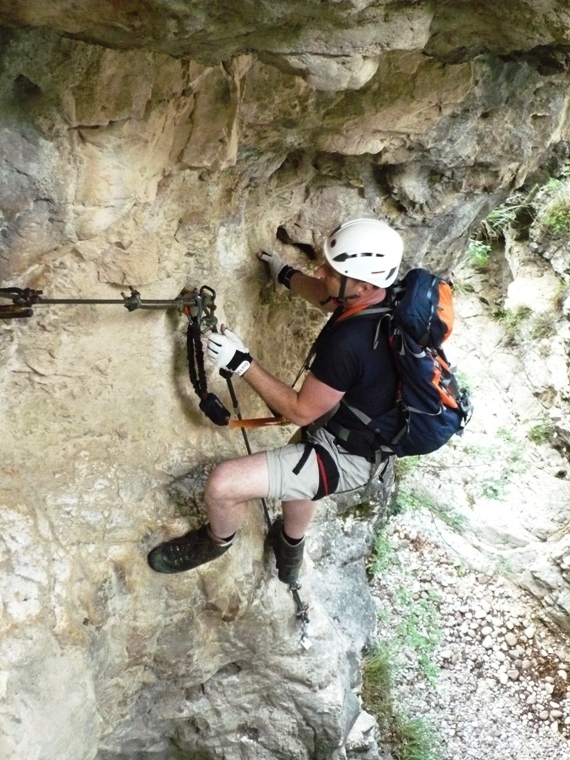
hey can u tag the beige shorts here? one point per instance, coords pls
(297, 472)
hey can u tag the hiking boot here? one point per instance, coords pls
(289, 557)
(185, 552)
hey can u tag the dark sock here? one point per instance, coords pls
(220, 538)
(292, 541)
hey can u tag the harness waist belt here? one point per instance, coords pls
(360, 442)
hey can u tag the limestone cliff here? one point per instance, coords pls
(159, 145)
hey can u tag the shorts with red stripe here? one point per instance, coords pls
(315, 468)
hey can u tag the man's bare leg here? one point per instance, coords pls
(297, 516)
(230, 486)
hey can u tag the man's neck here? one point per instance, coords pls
(368, 298)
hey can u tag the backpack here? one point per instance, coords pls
(430, 407)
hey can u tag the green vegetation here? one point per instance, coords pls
(452, 518)
(556, 216)
(404, 466)
(554, 184)
(521, 323)
(463, 380)
(382, 555)
(513, 320)
(414, 632)
(543, 326)
(503, 567)
(419, 629)
(462, 287)
(507, 435)
(409, 738)
(499, 219)
(363, 510)
(418, 632)
(492, 475)
(495, 225)
(410, 501)
(542, 432)
(554, 204)
(547, 205)
(478, 252)
(377, 679)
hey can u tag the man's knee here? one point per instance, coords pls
(237, 479)
(217, 485)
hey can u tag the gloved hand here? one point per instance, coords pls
(280, 270)
(274, 261)
(227, 351)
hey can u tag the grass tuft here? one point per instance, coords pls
(478, 253)
(383, 555)
(542, 432)
(414, 739)
(408, 738)
(556, 216)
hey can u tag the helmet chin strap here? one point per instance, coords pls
(341, 299)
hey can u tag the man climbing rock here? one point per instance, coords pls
(351, 361)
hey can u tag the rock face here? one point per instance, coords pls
(159, 145)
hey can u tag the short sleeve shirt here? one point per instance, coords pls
(347, 360)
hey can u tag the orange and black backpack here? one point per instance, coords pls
(430, 407)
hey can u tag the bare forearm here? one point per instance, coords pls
(311, 289)
(312, 401)
(276, 394)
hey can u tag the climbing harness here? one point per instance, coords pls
(199, 307)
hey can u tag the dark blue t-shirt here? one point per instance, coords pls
(346, 360)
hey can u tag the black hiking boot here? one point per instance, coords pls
(185, 552)
(289, 557)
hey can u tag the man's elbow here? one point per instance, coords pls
(302, 418)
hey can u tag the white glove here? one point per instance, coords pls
(280, 270)
(276, 263)
(227, 351)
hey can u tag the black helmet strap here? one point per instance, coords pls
(341, 298)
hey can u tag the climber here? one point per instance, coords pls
(362, 258)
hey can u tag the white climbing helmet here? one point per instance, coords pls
(365, 249)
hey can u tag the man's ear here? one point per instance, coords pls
(367, 287)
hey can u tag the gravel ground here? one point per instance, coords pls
(495, 685)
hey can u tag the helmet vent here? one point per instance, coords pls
(345, 256)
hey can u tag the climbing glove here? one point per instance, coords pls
(280, 270)
(227, 351)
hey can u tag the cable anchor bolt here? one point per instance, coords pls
(132, 301)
